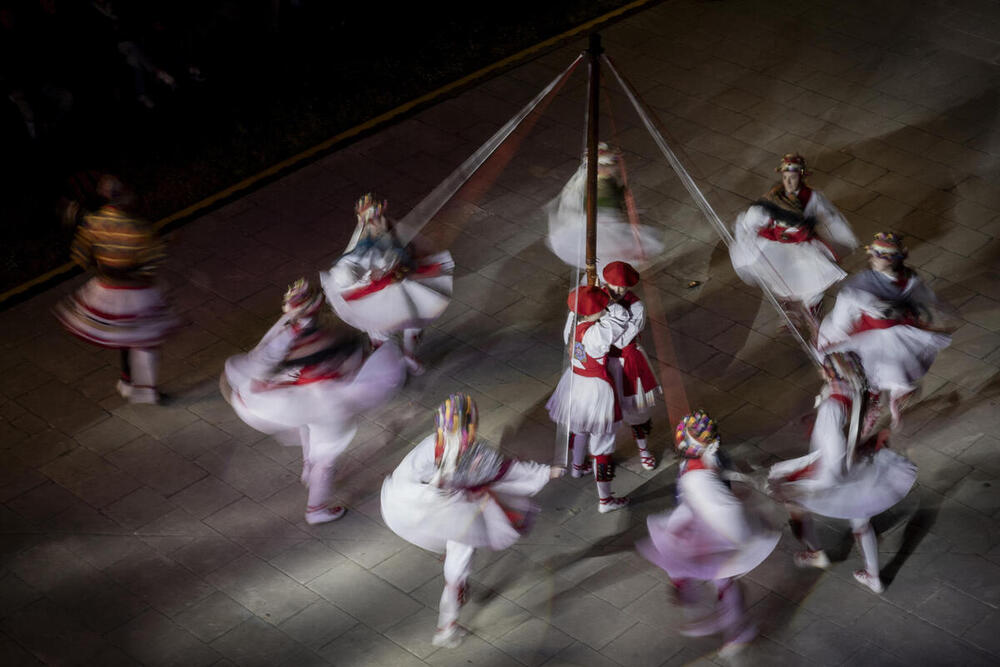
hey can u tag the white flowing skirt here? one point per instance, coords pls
(687, 548)
(617, 240)
(870, 487)
(410, 303)
(117, 317)
(896, 358)
(328, 407)
(429, 517)
(584, 404)
(793, 271)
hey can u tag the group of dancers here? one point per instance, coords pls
(317, 370)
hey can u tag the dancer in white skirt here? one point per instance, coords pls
(454, 494)
(584, 399)
(784, 241)
(887, 315)
(846, 475)
(120, 307)
(619, 234)
(306, 385)
(381, 286)
(628, 365)
(712, 536)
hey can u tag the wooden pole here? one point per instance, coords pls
(593, 137)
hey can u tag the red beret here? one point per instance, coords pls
(588, 300)
(620, 274)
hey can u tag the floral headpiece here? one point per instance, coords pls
(302, 299)
(793, 162)
(695, 433)
(455, 423)
(887, 246)
(847, 371)
(608, 155)
(368, 208)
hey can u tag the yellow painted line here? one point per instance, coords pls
(347, 134)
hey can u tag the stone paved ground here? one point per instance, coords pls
(174, 535)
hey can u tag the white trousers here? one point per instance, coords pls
(595, 443)
(321, 447)
(142, 364)
(457, 565)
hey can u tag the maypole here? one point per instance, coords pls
(593, 137)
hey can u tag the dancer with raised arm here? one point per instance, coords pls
(890, 318)
(848, 474)
(711, 536)
(785, 241)
(121, 307)
(306, 384)
(453, 494)
(383, 286)
(584, 399)
(635, 384)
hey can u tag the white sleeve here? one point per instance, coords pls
(418, 466)
(599, 338)
(635, 324)
(275, 344)
(839, 322)
(829, 440)
(712, 502)
(750, 222)
(568, 329)
(830, 223)
(523, 478)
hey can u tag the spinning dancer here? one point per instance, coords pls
(886, 315)
(120, 307)
(455, 493)
(711, 536)
(306, 385)
(838, 478)
(782, 241)
(585, 398)
(635, 384)
(619, 234)
(381, 286)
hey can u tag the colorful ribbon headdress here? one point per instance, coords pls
(694, 433)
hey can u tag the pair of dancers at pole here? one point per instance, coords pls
(887, 315)
(609, 378)
(307, 382)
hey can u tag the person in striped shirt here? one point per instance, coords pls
(120, 307)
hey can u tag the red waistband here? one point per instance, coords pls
(601, 372)
(422, 270)
(867, 322)
(786, 234)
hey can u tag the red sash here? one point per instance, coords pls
(421, 270)
(635, 368)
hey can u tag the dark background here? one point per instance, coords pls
(253, 82)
